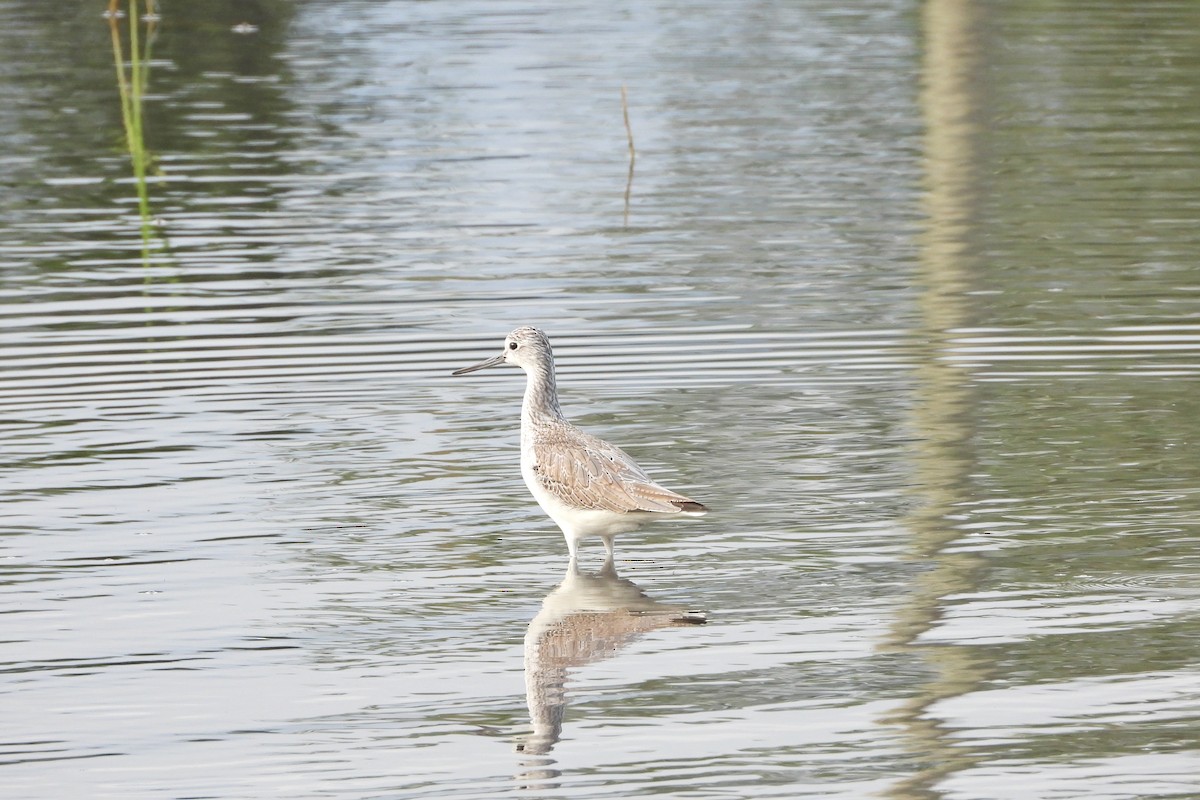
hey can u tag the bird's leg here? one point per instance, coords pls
(608, 547)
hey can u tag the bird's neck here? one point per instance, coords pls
(541, 396)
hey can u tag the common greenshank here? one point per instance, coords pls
(586, 485)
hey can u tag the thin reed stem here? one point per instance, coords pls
(632, 151)
(132, 90)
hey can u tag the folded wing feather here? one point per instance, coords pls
(587, 472)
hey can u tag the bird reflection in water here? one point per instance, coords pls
(586, 618)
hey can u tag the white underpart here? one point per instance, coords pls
(579, 523)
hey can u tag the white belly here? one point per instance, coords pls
(577, 523)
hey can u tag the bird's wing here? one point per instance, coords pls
(587, 472)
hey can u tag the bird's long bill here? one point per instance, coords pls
(491, 362)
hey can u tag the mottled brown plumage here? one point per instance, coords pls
(585, 471)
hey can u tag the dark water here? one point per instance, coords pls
(908, 293)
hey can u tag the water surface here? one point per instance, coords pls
(905, 292)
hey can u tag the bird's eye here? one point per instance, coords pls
(512, 345)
